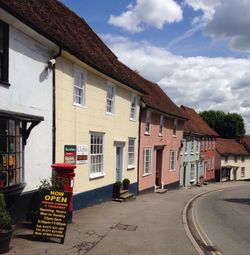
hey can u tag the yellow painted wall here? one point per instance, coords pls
(238, 164)
(74, 123)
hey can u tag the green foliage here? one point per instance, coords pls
(55, 183)
(227, 125)
(5, 219)
(126, 182)
(118, 184)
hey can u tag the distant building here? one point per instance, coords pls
(198, 150)
(232, 160)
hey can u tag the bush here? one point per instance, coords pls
(125, 183)
(5, 219)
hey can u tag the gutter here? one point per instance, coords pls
(53, 62)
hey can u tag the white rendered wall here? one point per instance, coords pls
(30, 92)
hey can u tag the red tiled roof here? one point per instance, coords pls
(59, 24)
(230, 147)
(195, 123)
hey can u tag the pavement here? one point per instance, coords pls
(151, 224)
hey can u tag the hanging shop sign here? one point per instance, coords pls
(82, 154)
(70, 154)
(53, 215)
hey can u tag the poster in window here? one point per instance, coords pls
(82, 154)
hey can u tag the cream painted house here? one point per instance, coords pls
(232, 160)
(101, 115)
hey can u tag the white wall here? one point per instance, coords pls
(31, 93)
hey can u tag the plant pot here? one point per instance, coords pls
(116, 191)
(5, 237)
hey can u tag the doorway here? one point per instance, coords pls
(119, 152)
(184, 175)
(158, 170)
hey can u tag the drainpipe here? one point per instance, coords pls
(53, 62)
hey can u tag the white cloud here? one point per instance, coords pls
(225, 19)
(154, 13)
(199, 82)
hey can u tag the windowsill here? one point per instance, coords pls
(110, 113)
(173, 170)
(161, 135)
(80, 105)
(134, 120)
(4, 83)
(96, 176)
(192, 153)
(197, 152)
(175, 136)
(145, 175)
(131, 168)
(147, 133)
(185, 153)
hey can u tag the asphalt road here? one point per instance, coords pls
(223, 218)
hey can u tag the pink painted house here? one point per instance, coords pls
(161, 132)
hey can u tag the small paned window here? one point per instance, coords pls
(110, 108)
(131, 152)
(242, 172)
(192, 145)
(235, 159)
(80, 78)
(202, 144)
(192, 172)
(133, 107)
(242, 158)
(185, 146)
(173, 159)
(147, 161)
(161, 125)
(96, 154)
(197, 144)
(4, 52)
(148, 121)
(226, 159)
(175, 127)
(11, 153)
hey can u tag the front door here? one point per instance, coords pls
(118, 163)
(184, 175)
(158, 172)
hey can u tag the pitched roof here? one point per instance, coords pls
(62, 26)
(195, 123)
(230, 147)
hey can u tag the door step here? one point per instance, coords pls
(124, 196)
(161, 191)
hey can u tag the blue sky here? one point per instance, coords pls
(200, 49)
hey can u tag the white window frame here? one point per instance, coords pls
(131, 165)
(147, 122)
(173, 160)
(186, 146)
(202, 144)
(161, 125)
(110, 88)
(192, 145)
(96, 154)
(80, 87)
(192, 172)
(242, 172)
(197, 145)
(133, 107)
(147, 158)
(175, 126)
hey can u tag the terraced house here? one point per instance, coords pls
(161, 131)
(26, 88)
(198, 150)
(232, 159)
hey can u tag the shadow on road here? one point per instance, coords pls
(245, 201)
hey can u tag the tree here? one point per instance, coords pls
(227, 125)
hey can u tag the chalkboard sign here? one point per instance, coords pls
(53, 214)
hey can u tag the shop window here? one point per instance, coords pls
(4, 52)
(11, 153)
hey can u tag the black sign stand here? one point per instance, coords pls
(53, 214)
